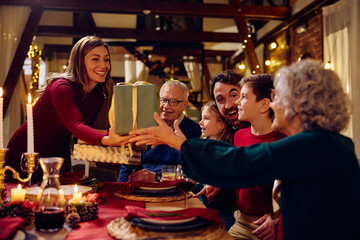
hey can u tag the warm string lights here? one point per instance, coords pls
(34, 54)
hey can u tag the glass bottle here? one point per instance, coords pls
(50, 208)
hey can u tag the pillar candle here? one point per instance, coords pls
(76, 196)
(18, 193)
(1, 120)
(30, 126)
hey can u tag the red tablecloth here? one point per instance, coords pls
(110, 210)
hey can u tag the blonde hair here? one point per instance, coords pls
(315, 93)
(226, 135)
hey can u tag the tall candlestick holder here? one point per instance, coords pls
(31, 160)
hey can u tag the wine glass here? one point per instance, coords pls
(184, 183)
(25, 163)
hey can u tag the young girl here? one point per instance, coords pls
(214, 126)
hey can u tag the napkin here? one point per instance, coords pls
(127, 187)
(12, 226)
(138, 212)
(70, 177)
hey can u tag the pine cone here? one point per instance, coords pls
(88, 211)
(28, 215)
(70, 209)
(72, 219)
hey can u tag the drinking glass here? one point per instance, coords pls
(168, 172)
(184, 183)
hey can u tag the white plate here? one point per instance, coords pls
(157, 188)
(166, 222)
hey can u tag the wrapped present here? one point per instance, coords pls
(121, 155)
(133, 106)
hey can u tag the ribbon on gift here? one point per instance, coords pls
(138, 212)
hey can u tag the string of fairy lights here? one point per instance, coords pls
(34, 54)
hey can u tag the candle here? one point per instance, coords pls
(1, 120)
(18, 193)
(76, 196)
(30, 126)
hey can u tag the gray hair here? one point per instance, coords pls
(315, 93)
(176, 83)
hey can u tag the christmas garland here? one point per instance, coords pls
(86, 210)
(156, 68)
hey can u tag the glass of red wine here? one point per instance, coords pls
(184, 183)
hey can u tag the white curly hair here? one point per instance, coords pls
(315, 93)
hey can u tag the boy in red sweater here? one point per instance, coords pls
(254, 215)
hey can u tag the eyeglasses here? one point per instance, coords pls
(172, 102)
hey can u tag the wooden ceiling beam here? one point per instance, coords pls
(157, 7)
(20, 54)
(140, 35)
(247, 41)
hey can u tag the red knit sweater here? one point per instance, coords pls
(255, 200)
(63, 109)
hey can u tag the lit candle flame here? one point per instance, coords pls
(19, 186)
(75, 188)
(1, 92)
(29, 98)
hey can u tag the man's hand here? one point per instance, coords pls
(142, 175)
(267, 227)
(161, 134)
(209, 192)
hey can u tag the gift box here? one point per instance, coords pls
(121, 155)
(133, 106)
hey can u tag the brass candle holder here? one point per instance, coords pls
(31, 159)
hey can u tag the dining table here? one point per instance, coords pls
(111, 209)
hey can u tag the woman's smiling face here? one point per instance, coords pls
(97, 63)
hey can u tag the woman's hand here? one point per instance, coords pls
(162, 134)
(115, 139)
(209, 192)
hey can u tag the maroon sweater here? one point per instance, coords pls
(62, 110)
(255, 200)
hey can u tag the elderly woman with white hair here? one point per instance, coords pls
(320, 174)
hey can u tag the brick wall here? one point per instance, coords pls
(309, 42)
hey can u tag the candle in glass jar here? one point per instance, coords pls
(30, 126)
(76, 196)
(1, 119)
(18, 193)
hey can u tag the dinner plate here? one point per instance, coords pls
(156, 188)
(166, 222)
(172, 191)
(186, 226)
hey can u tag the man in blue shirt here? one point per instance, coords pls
(173, 102)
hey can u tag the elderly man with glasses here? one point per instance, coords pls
(173, 102)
